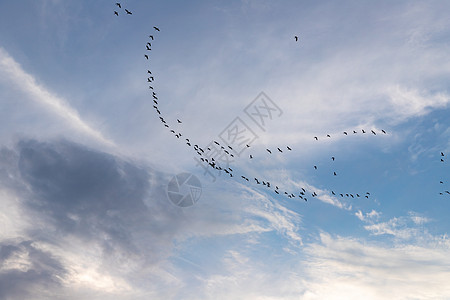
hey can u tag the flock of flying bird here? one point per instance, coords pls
(225, 150)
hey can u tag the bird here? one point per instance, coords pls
(334, 173)
(332, 158)
(315, 167)
(296, 38)
(118, 4)
(442, 160)
(269, 151)
(316, 138)
(116, 13)
(248, 146)
(151, 36)
(441, 182)
(333, 193)
(251, 156)
(363, 131)
(128, 12)
(178, 121)
(328, 135)
(345, 133)
(383, 131)
(279, 149)
(149, 72)
(373, 132)
(288, 148)
(146, 56)
(156, 28)
(148, 48)
(354, 131)
(148, 43)
(442, 153)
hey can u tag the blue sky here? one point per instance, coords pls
(85, 161)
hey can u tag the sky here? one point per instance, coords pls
(88, 169)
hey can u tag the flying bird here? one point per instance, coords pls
(269, 151)
(151, 36)
(148, 48)
(373, 132)
(118, 4)
(178, 121)
(146, 56)
(332, 158)
(128, 12)
(334, 173)
(315, 167)
(363, 131)
(279, 149)
(156, 28)
(296, 38)
(251, 156)
(442, 153)
(116, 13)
(316, 138)
(345, 132)
(383, 131)
(288, 148)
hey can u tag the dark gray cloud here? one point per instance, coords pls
(99, 199)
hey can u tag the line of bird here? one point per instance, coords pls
(120, 6)
(442, 181)
(223, 150)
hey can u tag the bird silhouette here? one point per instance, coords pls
(118, 4)
(116, 13)
(148, 48)
(296, 38)
(334, 173)
(328, 135)
(345, 133)
(128, 12)
(373, 132)
(316, 138)
(146, 56)
(315, 167)
(269, 151)
(251, 156)
(151, 36)
(383, 131)
(442, 153)
(279, 149)
(156, 28)
(332, 158)
(363, 131)
(354, 131)
(288, 148)
(178, 121)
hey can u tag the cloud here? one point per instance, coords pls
(107, 224)
(12, 73)
(348, 268)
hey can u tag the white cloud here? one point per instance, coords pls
(346, 268)
(12, 73)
